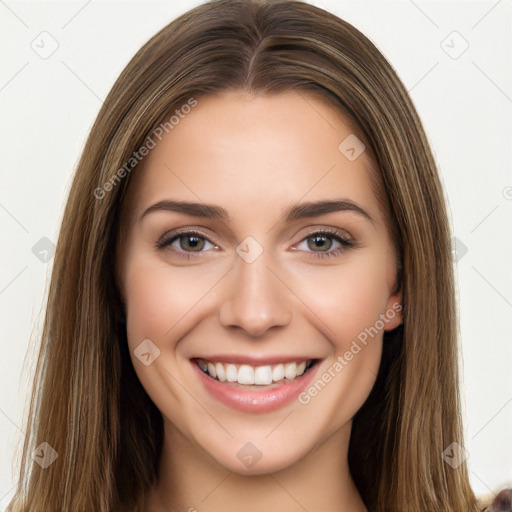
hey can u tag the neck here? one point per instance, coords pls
(192, 481)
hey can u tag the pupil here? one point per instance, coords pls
(321, 242)
(191, 242)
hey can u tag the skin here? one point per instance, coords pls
(255, 156)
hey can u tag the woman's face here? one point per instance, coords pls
(258, 276)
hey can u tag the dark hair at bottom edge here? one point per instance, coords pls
(366, 452)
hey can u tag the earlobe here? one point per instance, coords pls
(393, 316)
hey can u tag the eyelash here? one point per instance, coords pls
(168, 239)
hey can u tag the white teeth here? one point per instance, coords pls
(231, 373)
(221, 373)
(278, 373)
(249, 375)
(245, 374)
(263, 375)
(290, 371)
(211, 370)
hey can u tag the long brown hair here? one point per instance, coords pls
(87, 402)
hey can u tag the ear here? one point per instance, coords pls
(394, 308)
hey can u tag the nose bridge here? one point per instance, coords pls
(256, 299)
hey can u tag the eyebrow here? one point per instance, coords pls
(290, 214)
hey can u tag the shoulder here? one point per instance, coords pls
(502, 502)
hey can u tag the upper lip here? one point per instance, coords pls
(253, 360)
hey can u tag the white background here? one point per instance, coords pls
(48, 106)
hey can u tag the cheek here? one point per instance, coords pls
(345, 300)
(349, 307)
(163, 304)
(160, 301)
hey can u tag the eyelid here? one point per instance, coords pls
(170, 235)
(327, 230)
(340, 235)
(165, 243)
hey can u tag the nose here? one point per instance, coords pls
(256, 299)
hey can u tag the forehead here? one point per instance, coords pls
(240, 150)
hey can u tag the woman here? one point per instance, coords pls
(253, 285)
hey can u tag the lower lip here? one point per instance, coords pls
(257, 401)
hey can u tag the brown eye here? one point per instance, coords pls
(320, 243)
(186, 242)
(192, 243)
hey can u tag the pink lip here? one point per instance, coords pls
(252, 360)
(257, 401)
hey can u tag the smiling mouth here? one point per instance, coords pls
(254, 376)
